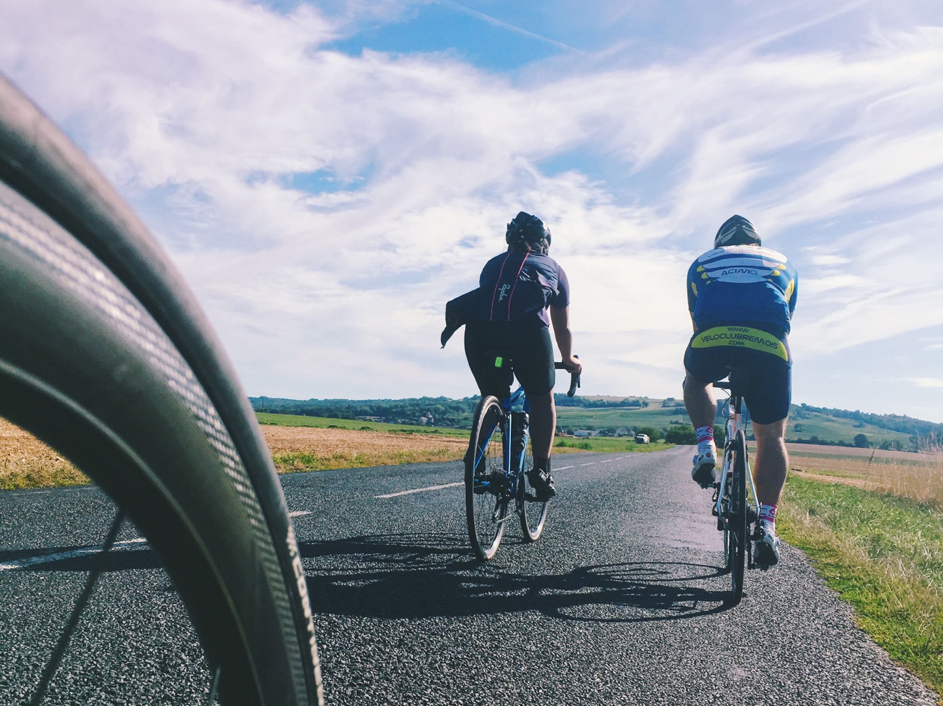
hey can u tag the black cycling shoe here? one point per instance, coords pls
(542, 484)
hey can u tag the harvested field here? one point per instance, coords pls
(313, 449)
(26, 462)
(915, 476)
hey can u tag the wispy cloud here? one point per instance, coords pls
(504, 25)
(326, 205)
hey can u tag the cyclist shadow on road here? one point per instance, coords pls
(432, 575)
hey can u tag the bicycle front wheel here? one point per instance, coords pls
(737, 537)
(533, 514)
(486, 500)
(105, 356)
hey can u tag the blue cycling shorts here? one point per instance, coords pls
(759, 365)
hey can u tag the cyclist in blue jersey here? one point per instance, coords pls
(741, 297)
(509, 313)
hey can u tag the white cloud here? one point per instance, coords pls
(932, 383)
(215, 117)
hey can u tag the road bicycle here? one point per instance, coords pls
(496, 463)
(734, 507)
(106, 356)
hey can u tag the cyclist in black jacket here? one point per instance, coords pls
(509, 312)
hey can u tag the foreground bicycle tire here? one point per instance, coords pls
(106, 357)
(737, 537)
(486, 512)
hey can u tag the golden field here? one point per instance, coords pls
(915, 476)
(25, 462)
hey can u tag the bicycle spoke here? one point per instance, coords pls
(214, 687)
(63, 643)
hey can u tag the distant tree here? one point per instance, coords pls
(861, 441)
(681, 434)
(651, 432)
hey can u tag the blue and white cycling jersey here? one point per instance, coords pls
(743, 284)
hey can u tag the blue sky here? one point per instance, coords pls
(327, 175)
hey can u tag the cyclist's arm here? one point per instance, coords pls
(560, 318)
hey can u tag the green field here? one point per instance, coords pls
(562, 444)
(825, 427)
(294, 420)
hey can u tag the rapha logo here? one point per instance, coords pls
(504, 291)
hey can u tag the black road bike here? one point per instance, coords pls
(497, 460)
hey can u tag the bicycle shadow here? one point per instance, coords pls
(413, 576)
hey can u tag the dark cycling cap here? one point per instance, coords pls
(737, 230)
(529, 229)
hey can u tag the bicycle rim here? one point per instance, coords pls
(105, 356)
(486, 507)
(533, 514)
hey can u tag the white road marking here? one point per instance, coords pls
(299, 513)
(587, 464)
(59, 556)
(420, 490)
(563, 468)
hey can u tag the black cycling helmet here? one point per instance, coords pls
(737, 230)
(529, 229)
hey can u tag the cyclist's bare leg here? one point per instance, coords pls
(699, 401)
(543, 424)
(772, 461)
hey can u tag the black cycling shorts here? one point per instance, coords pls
(528, 346)
(764, 378)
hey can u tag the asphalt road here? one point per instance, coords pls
(620, 601)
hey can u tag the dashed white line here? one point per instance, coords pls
(299, 513)
(563, 468)
(420, 490)
(59, 556)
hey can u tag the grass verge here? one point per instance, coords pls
(604, 444)
(882, 554)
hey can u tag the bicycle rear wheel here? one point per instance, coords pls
(486, 500)
(737, 537)
(105, 356)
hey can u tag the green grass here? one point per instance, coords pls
(884, 555)
(603, 444)
(826, 428)
(294, 420)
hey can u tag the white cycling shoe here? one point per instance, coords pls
(766, 547)
(705, 461)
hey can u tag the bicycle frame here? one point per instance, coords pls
(516, 403)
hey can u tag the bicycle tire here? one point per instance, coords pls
(738, 521)
(533, 514)
(486, 511)
(106, 356)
